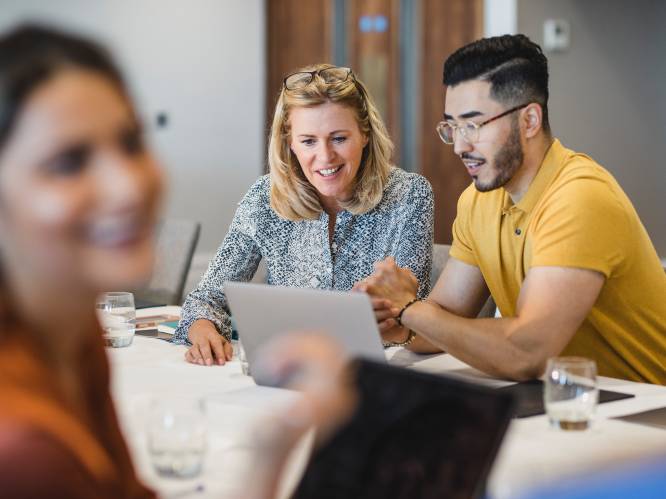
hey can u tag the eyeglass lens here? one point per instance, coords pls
(446, 132)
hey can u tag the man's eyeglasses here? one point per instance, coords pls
(329, 75)
(469, 130)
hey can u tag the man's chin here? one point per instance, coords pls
(496, 183)
(484, 186)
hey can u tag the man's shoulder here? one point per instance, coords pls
(582, 181)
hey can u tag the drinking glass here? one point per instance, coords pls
(117, 316)
(570, 392)
(242, 357)
(177, 436)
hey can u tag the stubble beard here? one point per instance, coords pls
(507, 161)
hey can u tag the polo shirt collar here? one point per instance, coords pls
(549, 167)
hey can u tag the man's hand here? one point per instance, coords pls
(396, 334)
(208, 346)
(390, 282)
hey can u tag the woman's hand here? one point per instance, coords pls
(208, 346)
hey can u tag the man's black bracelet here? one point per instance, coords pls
(398, 318)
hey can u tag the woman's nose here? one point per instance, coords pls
(325, 153)
(122, 179)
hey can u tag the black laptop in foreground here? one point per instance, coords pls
(414, 435)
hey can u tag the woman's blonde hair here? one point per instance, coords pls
(292, 195)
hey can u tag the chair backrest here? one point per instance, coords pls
(176, 242)
(440, 255)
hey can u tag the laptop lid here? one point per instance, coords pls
(414, 435)
(262, 312)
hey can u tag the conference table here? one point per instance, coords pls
(531, 456)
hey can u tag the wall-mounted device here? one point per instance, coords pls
(556, 35)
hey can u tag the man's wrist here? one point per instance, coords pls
(410, 338)
(398, 318)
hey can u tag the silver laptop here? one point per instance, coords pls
(262, 312)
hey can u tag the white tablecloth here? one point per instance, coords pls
(532, 454)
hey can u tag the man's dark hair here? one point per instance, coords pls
(514, 66)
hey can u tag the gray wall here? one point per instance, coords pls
(200, 61)
(608, 92)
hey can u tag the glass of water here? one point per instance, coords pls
(177, 436)
(242, 358)
(117, 316)
(570, 392)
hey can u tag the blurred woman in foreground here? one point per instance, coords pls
(78, 201)
(79, 194)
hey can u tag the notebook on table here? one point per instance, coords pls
(160, 326)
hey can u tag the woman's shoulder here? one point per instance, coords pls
(403, 185)
(255, 213)
(256, 203)
(259, 193)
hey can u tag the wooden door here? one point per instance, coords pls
(373, 38)
(446, 26)
(298, 34)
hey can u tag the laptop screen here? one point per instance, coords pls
(413, 435)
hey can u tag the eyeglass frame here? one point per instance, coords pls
(477, 126)
(316, 72)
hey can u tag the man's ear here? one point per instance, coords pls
(532, 119)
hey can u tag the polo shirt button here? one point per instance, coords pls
(517, 231)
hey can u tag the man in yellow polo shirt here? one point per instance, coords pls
(545, 230)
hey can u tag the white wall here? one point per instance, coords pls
(201, 62)
(608, 97)
(500, 17)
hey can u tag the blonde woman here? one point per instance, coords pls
(331, 207)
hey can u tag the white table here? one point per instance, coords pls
(531, 455)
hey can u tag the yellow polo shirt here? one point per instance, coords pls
(574, 214)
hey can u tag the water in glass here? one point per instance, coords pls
(570, 392)
(117, 316)
(177, 436)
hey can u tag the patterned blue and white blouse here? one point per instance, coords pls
(299, 254)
